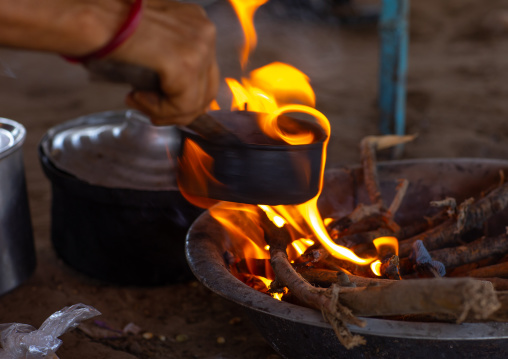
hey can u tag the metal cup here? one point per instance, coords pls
(17, 252)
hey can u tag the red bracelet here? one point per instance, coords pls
(125, 31)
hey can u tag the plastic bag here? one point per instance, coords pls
(22, 341)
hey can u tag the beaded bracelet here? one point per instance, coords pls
(125, 31)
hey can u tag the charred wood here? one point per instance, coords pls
(474, 216)
(496, 270)
(471, 252)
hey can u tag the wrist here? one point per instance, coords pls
(69, 27)
(90, 26)
(121, 35)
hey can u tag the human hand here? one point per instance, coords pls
(178, 42)
(174, 39)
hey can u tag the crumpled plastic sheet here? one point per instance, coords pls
(22, 341)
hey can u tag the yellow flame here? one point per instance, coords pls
(272, 216)
(327, 221)
(195, 172)
(301, 245)
(376, 267)
(387, 241)
(277, 296)
(285, 83)
(214, 106)
(311, 214)
(245, 10)
(275, 89)
(267, 282)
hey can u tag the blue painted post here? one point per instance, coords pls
(393, 27)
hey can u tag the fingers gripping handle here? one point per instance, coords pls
(144, 79)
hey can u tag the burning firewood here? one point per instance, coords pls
(484, 247)
(371, 217)
(474, 216)
(396, 284)
(327, 301)
(496, 270)
(418, 226)
(339, 304)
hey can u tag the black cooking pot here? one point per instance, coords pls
(129, 236)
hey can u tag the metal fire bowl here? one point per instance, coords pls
(298, 332)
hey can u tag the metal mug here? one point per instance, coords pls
(17, 252)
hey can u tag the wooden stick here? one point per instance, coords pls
(399, 196)
(368, 156)
(501, 315)
(463, 270)
(459, 297)
(447, 234)
(325, 300)
(437, 237)
(496, 270)
(449, 202)
(471, 252)
(326, 277)
(368, 147)
(498, 283)
(390, 268)
(455, 296)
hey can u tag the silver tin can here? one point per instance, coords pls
(17, 253)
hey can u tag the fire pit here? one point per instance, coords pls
(297, 332)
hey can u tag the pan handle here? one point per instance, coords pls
(145, 79)
(141, 78)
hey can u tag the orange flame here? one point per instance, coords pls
(197, 165)
(384, 245)
(390, 242)
(272, 91)
(327, 221)
(376, 267)
(310, 215)
(245, 10)
(301, 245)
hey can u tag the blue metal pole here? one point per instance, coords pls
(393, 27)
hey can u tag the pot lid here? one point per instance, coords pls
(117, 149)
(12, 136)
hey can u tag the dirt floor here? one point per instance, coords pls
(456, 102)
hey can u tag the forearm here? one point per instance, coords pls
(70, 27)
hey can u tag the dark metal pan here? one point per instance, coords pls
(246, 165)
(260, 170)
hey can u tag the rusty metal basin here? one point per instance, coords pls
(298, 332)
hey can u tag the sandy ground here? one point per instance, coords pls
(456, 103)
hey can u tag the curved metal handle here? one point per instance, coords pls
(141, 78)
(144, 79)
